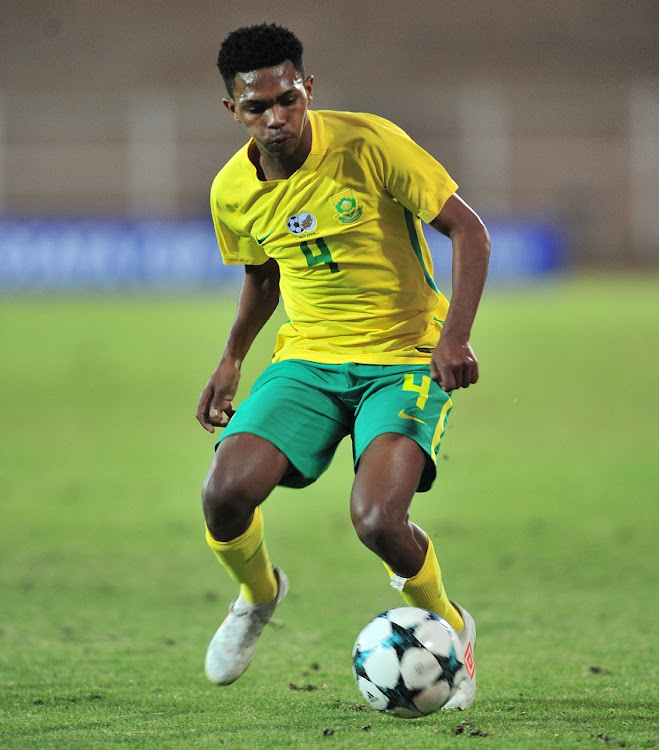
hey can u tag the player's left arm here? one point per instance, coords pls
(454, 364)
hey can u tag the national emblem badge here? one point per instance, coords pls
(347, 208)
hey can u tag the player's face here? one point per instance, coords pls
(272, 104)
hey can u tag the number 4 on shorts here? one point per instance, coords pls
(423, 389)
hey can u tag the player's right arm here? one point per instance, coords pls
(258, 299)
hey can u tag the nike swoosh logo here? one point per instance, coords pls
(263, 239)
(402, 415)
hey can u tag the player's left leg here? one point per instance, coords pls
(387, 478)
(400, 420)
(397, 434)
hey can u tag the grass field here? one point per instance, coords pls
(544, 516)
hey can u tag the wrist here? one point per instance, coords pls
(229, 359)
(455, 335)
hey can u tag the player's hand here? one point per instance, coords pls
(215, 407)
(453, 364)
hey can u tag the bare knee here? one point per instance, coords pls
(227, 504)
(375, 526)
(385, 528)
(244, 471)
(387, 477)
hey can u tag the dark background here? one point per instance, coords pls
(539, 110)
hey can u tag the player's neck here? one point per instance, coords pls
(280, 167)
(268, 168)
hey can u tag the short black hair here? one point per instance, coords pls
(254, 47)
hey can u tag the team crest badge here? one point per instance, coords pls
(301, 223)
(346, 206)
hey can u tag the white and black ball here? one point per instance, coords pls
(407, 662)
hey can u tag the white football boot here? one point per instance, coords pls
(232, 647)
(466, 692)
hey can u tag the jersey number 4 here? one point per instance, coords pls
(322, 256)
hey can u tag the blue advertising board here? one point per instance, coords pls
(66, 254)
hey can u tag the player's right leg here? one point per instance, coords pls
(286, 433)
(245, 470)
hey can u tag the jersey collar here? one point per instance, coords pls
(314, 157)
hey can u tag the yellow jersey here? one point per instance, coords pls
(356, 274)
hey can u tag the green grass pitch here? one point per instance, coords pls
(544, 517)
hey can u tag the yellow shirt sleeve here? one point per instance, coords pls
(237, 246)
(408, 172)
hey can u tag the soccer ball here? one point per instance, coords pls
(407, 662)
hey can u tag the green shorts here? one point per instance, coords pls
(305, 409)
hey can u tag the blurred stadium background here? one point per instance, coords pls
(112, 126)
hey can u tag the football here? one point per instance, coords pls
(407, 662)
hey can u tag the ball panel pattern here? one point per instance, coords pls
(406, 662)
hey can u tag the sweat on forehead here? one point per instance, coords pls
(278, 78)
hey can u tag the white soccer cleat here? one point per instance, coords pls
(466, 692)
(232, 647)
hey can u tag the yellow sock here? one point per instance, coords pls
(425, 590)
(246, 560)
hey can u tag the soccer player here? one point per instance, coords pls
(326, 208)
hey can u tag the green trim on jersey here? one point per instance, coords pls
(416, 246)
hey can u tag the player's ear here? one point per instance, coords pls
(231, 106)
(308, 87)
